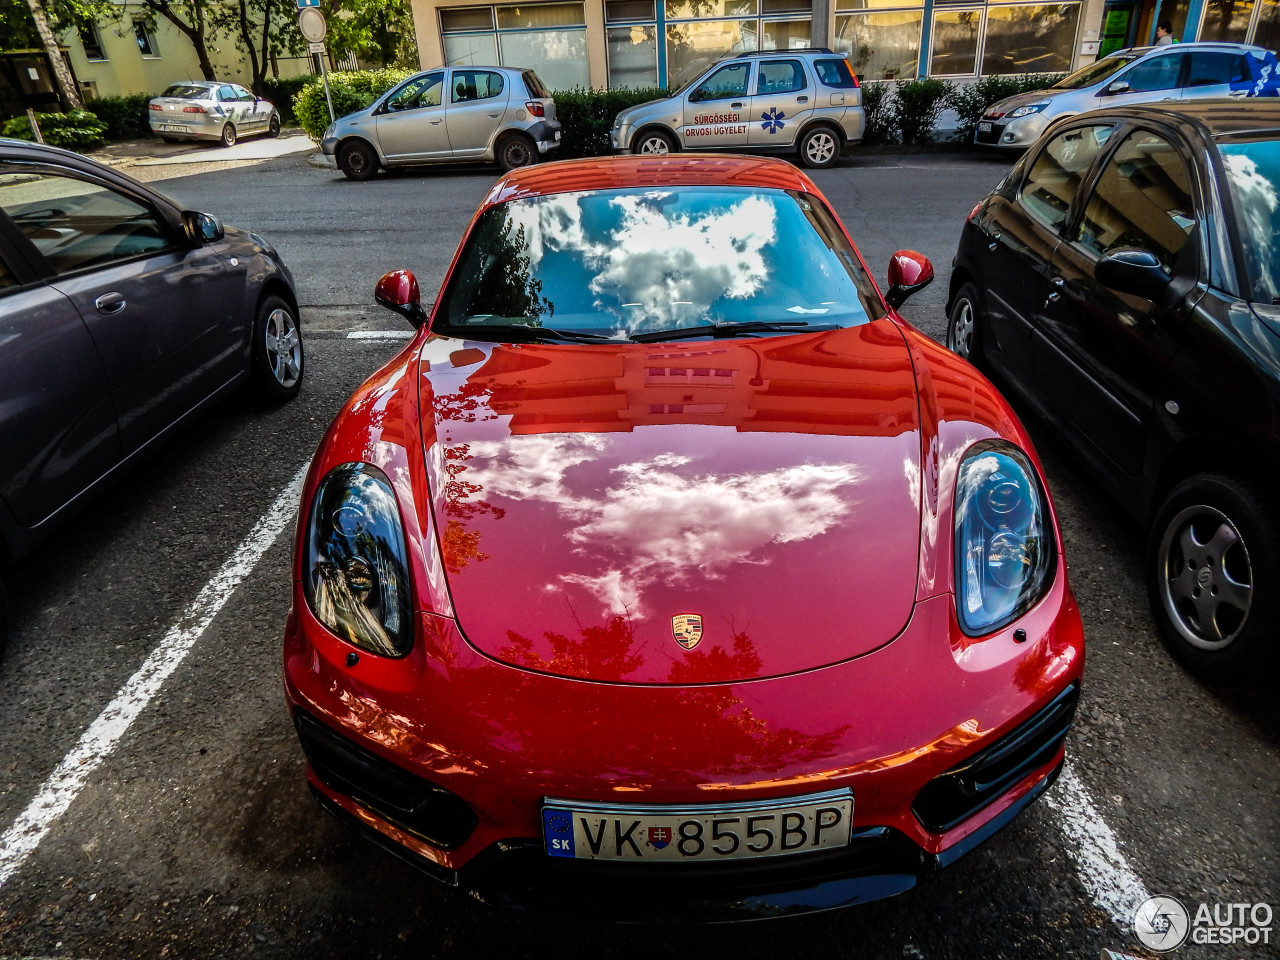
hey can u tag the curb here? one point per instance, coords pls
(320, 160)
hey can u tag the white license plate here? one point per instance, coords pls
(171, 128)
(557, 136)
(731, 831)
(984, 127)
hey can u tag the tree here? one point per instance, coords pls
(31, 23)
(191, 18)
(260, 28)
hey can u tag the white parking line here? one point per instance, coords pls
(65, 783)
(1093, 846)
(380, 334)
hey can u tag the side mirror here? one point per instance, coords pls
(1119, 86)
(398, 291)
(201, 228)
(1138, 272)
(909, 273)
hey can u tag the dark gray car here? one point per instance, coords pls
(121, 317)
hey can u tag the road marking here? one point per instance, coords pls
(65, 783)
(1093, 846)
(380, 334)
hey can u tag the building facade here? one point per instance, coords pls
(641, 43)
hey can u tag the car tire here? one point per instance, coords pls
(278, 358)
(654, 143)
(964, 326)
(273, 126)
(357, 160)
(819, 148)
(515, 150)
(228, 135)
(1214, 577)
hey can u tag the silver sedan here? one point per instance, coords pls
(201, 110)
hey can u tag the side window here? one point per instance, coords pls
(1142, 199)
(779, 76)
(226, 95)
(1212, 68)
(418, 92)
(729, 81)
(7, 279)
(243, 95)
(475, 85)
(75, 223)
(835, 73)
(1055, 175)
(1158, 73)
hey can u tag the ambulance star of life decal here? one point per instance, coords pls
(687, 629)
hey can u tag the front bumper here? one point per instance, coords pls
(329, 146)
(1016, 134)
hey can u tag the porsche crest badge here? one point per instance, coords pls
(687, 629)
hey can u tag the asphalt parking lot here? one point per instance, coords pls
(188, 831)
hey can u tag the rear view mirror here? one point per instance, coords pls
(1119, 86)
(398, 291)
(1138, 272)
(201, 228)
(909, 273)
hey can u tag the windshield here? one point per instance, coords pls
(1095, 72)
(187, 91)
(1253, 172)
(617, 263)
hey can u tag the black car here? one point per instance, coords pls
(121, 317)
(1124, 278)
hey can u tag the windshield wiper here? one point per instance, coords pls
(724, 328)
(525, 333)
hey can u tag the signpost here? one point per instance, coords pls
(313, 26)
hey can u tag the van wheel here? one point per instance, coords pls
(819, 148)
(357, 160)
(515, 151)
(655, 143)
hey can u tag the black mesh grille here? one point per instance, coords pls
(962, 791)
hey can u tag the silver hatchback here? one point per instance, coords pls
(773, 101)
(1173, 72)
(199, 110)
(450, 113)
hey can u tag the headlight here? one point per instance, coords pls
(1027, 110)
(1004, 544)
(356, 579)
(328, 131)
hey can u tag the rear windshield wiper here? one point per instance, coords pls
(729, 329)
(524, 333)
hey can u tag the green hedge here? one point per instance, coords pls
(351, 91)
(125, 117)
(77, 130)
(281, 91)
(972, 101)
(916, 106)
(586, 117)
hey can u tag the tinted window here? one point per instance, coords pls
(77, 224)
(835, 73)
(1253, 176)
(1158, 73)
(1142, 199)
(7, 279)
(1057, 171)
(1095, 72)
(779, 76)
(728, 81)
(533, 83)
(1213, 68)
(417, 92)
(226, 94)
(475, 85)
(187, 91)
(242, 93)
(619, 262)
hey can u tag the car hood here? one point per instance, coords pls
(629, 114)
(597, 504)
(1009, 104)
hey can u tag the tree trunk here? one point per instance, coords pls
(66, 85)
(193, 31)
(248, 45)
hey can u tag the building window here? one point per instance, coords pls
(881, 44)
(1226, 20)
(955, 43)
(700, 32)
(1267, 32)
(550, 38)
(91, 40)
(146, 39)
(1030, 38)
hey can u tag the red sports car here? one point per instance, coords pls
(668, 572)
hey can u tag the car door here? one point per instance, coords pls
(715, 108)
(230, 105)
(58, 428)
(1101, 354)
(252, 114)
(1216, 73)
(477, 101)
(410, 121)
(783, 102)
(1023, 230)
(167, 318)
(1150, 79)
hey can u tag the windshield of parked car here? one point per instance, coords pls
(1095, 72)
(187, 91)
(617, 263)
(1253, 175)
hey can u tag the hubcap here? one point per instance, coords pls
(821, 147)
(655, 146)
(357, 162)
(1206, 579)
(517, 154)
(284, 347)
(962, 329)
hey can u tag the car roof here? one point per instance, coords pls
(1220, 45)
(1214, 117)
(682, 170)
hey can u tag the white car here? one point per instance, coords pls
(207, 110)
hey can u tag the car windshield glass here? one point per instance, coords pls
(187, 91)
(1253, 174)
(1095, 72)
(636, 261)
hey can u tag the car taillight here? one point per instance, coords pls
(154, 106)
(856, 84)
(535, 108)
(194, 110)
(973, 214)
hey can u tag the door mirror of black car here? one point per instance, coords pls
(1138, 272)
(1119, 86)
(909, 272)
(201, 227)
(398, 291)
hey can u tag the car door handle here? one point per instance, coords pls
(1053, 297)
(110, 303)
(736, 106)
(995, 242)
(435, 123)
(495, 116)
(802, 99)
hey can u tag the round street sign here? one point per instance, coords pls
(311, 23)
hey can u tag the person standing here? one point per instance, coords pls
(1164, 33)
